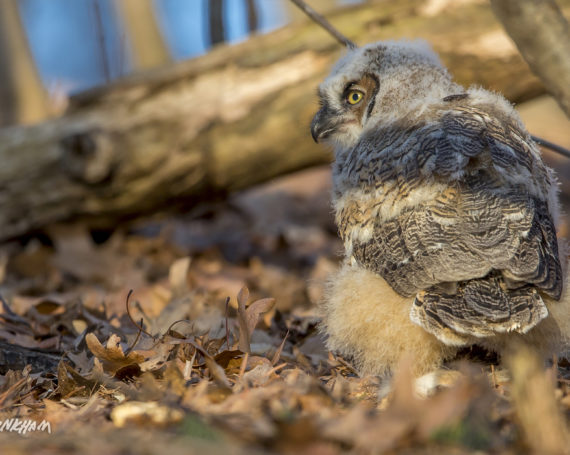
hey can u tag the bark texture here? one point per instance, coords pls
(542, 34)
(15, 357)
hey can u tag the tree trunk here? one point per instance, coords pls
(252, 19)
(102, 47)
(225, 121)
(542, 34)
(22, 96)
(148, 49)
(216, 21)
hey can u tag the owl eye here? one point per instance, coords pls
(354, 97)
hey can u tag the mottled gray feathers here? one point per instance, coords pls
(479, 308)
(465, 233)
(441, 192)
(479, 225)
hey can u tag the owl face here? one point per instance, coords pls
(346, 104)
(377, 84)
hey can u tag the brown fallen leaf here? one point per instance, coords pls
(277, 354)
(112, 356)
(249, 317)
(225, 357)
(71, 383)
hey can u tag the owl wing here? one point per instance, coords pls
(482, 235)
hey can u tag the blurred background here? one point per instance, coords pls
(50, 49)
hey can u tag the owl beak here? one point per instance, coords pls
(322, 126)
(315, 130)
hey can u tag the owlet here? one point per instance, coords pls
(446, 210)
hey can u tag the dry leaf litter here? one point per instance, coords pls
(217, 349)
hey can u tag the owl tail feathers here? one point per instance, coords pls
(477, 309)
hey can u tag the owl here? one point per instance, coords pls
(446, 211)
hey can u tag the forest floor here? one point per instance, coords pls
(179, 367)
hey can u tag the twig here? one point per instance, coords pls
(276, 369)
(5, 305)
(345, 364)
(176, 322)
(200, 349)
(10, 313)
(243, 365)
(551, 146)
(324, 23)
(139, 326)
(227, 329)
(11, 389)
(101, 41)
(277, 355)
(132, 346)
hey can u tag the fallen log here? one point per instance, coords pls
(235, 117)
(16, 358)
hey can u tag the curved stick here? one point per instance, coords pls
(551, 146)
(324, 23)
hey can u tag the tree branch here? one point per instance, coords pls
(319, 19)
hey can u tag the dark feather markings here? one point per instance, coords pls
(458, 97)
(494, 236)
(479, 308)
(464, 235)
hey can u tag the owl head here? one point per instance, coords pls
(378, 84)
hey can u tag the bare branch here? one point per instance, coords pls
(324, 23)
(552, 146)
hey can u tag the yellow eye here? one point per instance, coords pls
(354, 97)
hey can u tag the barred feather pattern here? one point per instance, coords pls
(454, 208)
(479, 308)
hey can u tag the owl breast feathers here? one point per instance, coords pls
(441, 192)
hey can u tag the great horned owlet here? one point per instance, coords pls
(446, 210)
